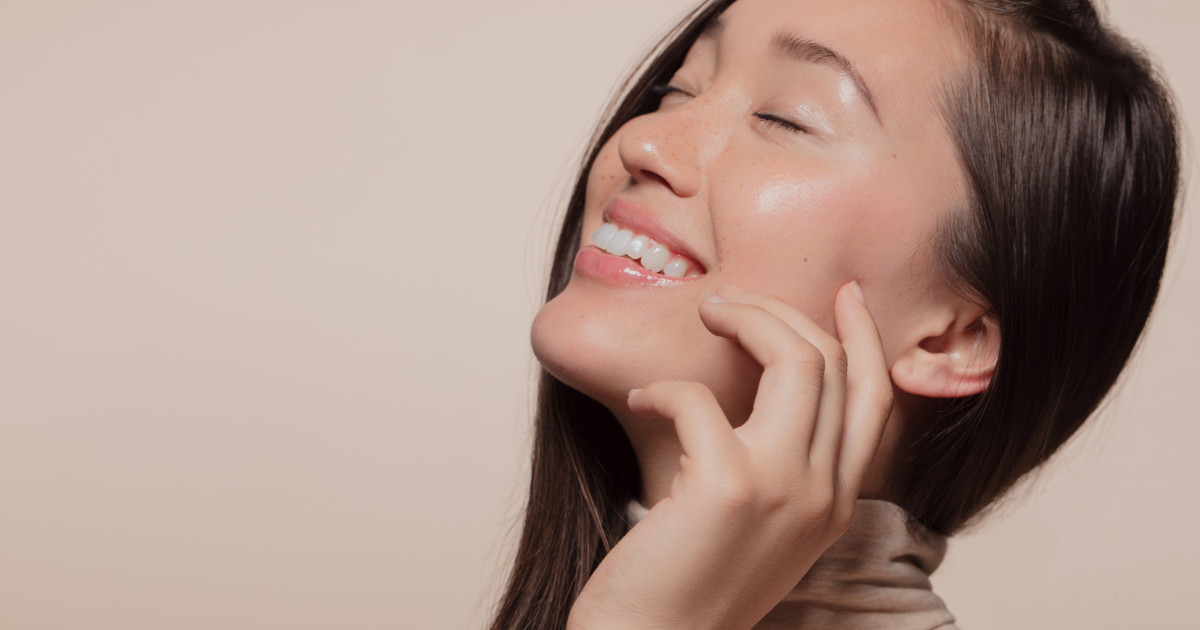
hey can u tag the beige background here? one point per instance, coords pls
(266, 273)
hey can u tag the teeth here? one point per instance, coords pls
(656, 258)
(653, 256)
(637, 246)
(603, 235)
(676, 268)
(619, 241)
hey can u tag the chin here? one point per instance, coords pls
(580, 348)
(604, 348)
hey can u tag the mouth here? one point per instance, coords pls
(653, 256)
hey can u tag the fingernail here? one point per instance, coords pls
(633, 393)
(715, 299)
(857, 290)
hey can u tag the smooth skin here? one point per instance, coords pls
(792, 212)
(753, 507)
(762, 418)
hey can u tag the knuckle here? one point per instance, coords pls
(777, 500)
(835, 359)
(815, 516)
(821, 501)
(734, 490)
(803, 357)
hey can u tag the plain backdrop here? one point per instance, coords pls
(266, 275)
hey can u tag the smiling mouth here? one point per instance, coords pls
(653, 256)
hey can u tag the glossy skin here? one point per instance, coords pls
(780, 177)
(776, 210)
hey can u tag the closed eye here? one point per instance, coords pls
(662, 90)
(659, 90)
(782, 123)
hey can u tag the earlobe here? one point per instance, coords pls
(959, 361)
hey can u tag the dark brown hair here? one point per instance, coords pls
(1069, 144)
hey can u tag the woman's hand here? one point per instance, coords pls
(751, 508)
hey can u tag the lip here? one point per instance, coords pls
(593, 262)
(641, 221)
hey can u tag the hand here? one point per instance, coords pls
(752, 508)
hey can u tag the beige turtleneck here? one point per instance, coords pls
(875, 577)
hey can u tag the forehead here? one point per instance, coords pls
(904, 50)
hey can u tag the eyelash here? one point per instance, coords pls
(783, 123)
(660, 90)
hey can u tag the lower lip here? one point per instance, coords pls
(595, 263)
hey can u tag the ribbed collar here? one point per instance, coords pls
(875, 577)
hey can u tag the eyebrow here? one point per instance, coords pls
(795, 47)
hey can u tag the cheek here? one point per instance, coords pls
(801, 239)
(606, 176)
(786, 236)
(782, 198)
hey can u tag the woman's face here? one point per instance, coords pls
(799, 147)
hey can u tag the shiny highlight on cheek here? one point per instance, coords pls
(785, 195)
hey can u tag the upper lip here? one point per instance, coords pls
(639, 220)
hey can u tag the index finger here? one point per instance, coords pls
(793, 382)
(827, 432)
(869, 386)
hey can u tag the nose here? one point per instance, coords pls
(670, 147)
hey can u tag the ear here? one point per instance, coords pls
(955, 357)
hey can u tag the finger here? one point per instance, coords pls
(789, 392)
(869, 387)
(704, 431)
(827, 433)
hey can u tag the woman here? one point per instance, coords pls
(886, 258)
